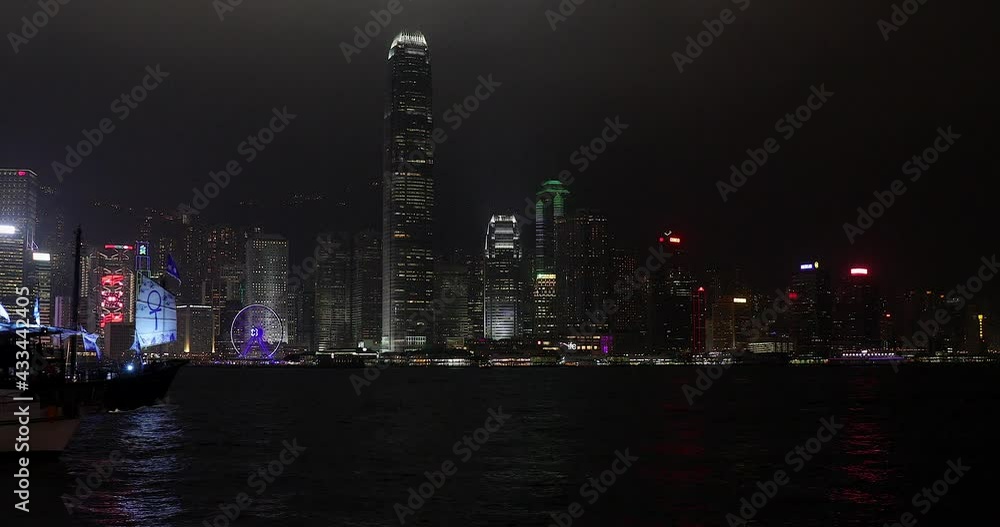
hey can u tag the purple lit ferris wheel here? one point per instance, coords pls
(257, 332)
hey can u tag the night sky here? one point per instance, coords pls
(610, 58)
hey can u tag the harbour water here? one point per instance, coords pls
(186, 462)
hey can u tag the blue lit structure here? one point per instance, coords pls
(251, 328)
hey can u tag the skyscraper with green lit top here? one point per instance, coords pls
(549, 268)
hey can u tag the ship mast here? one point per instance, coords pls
(71, 366)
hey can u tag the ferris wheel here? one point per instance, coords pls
(257, 330)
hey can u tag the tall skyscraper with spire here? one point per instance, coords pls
(407, 196)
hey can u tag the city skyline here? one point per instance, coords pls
(537, 263)
(558, 288)
(712, 124)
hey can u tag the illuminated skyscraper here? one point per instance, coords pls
(811, 311)
(545, 300)
(41, 287)
(699, 310)
(41, 284)
(550, 245)
(366, 289)
(18, 218)
(62, 257)
(630, 291)
(267, 274)
(11, 263)
(501, 279)
(451, 302)
(671, 290)
(222, 271)
(974, 328)
(407, 196)
(194, 330)
(192, 260)
(730, 323)
(587, 269)
(858, 312)
(332, 304)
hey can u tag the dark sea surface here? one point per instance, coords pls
(695, 462)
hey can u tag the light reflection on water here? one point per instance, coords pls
(141, 490)
(696, 462)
